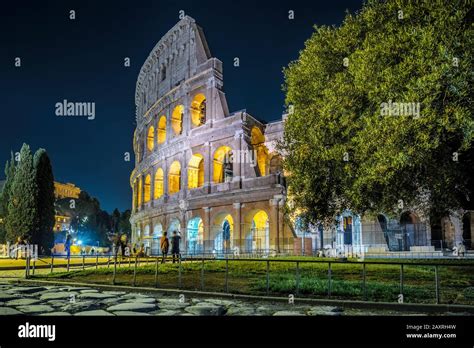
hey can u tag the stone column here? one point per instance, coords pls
(274, 223)
(239, 159)
(456, 219)
(165, 178)
(142, 178)
(152, 186)
(207, 228)
(184, 173)
(207, 165)
(238, 224)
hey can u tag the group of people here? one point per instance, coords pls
(165, 245)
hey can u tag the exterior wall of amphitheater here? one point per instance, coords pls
(212, 175)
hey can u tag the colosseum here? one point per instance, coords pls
(212, 175)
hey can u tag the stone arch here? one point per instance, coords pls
(150, 139)
(466, 230)
(147, 189)
(177, 119)
(161, 130)
(159, 183)
(174, 178)
(222, 230)
(140, 188)
(195, 236)
(196, 171)
(257, 140)
(257, 231)
(198, 110)
(223, 169)
(411, 229)
(157, 233)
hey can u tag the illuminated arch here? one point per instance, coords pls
(159, 184)
(224, 232)
(258, 238)
(150, 139)
(222, 164)
(147, 193)
(257, 140)
(174, 178)
(196, 171)
(177, 119)
(140, 187)
(157, 233)
(195, 236)
(161, 131)
(198, 109)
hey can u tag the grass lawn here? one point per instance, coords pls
(456, 279)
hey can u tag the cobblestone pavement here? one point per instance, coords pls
(68, 300)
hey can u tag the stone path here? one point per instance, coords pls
(68, 300)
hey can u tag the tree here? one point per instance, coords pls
(343, 150)
(22, 218)
(124, 223)
(5, 196)
(44, 235)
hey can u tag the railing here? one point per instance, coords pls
(407, 281)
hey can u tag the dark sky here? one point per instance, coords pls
(81, 60)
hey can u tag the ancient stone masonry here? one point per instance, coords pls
(212, 175)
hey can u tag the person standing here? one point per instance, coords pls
(175, 246)
(164, 246)
(67, 245)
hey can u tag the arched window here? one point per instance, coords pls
(161, 130)
(223, 170)
(196, 171)
(147, 188)
(159, 184)
(140, 187)
(258, 143)
(198, 109)
(177, 119)
(174, 178)
(150, 140)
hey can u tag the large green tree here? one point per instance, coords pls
(43, 235)
(5, 196)
(22, 218)
(344, 150)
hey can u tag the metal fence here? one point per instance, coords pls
(300, 268)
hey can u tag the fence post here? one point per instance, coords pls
(34, 267)
(202, 274)
(364, 284)
(156, 273)
(52, 263)
(115, 270)
(268, 277)
(297, 278)
(437, 284)
(401, 279)
(135, 271)
(129, 262)
(68, 262)
(108, 262)
(179, 273)
(27, 265)
(96, 260)
(329, 279)
(83, 261)
(226, 275)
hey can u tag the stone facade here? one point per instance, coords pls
(212, 175)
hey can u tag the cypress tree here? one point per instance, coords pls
(43, 234)
(5, 196)
(22, 216)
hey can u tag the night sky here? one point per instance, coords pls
(81, 60)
